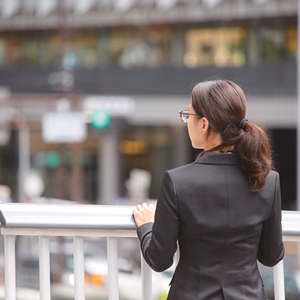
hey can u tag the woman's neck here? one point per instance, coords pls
(213, 140)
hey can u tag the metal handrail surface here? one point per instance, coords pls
(88, 216)
(65, 216)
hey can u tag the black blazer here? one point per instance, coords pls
(221, 226)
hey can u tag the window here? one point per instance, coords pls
(221, 47)
(146, 47)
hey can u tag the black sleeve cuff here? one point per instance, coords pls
(143, 230)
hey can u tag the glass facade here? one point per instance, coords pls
(143, 47)
(152, 46)
(220, 47)
(277, 43)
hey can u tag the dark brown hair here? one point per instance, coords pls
(224, 105)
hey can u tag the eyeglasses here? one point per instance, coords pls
(184, 115)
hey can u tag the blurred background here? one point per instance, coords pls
(90, 92)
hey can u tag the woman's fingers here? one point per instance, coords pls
(144, 205)
(151, 206)
(143, 213)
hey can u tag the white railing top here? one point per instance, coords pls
(65, 216)
(95, 217)
(291, 223)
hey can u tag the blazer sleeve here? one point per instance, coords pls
(271, 248)
(159, 239)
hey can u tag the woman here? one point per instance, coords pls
(224, 209)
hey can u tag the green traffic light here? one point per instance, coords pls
(53, 159)
(100, 119)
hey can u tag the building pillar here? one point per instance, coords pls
(253, 46)
(177, 47)
(77, 193)
(108, 168)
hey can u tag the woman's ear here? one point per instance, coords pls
(204, 125)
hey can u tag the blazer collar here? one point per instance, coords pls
(213, 158)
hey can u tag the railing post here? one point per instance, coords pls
(177, 255)
(44, 263)
(112, 260)
(78, 268)
(146, 280)
(279, 292)
(10, 266)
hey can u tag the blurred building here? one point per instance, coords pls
(148, 53)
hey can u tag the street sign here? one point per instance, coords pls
(64, 127)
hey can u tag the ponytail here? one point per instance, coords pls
(253, 151)
(255, 155)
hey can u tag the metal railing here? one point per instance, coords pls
(79, 221)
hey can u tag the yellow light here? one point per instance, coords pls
(97, 280)
(94, 279)
(190, 59)
(133, 147)
(221, 57)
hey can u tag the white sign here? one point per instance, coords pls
(115, 105)
(64, 127)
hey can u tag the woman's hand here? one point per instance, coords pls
(143, 214)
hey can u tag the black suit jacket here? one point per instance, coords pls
(221, 226)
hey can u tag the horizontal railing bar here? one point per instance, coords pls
(75, 216)
(291, 232)
(291, 238)
(92, 217)
(68, 232)
(92, 220)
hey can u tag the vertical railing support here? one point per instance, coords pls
(78, 268)
(278, 274)
(10, 266)
(177, 255)
(112, 260)
(146, 280)
(44, 263)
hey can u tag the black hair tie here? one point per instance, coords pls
(226, 128)
(242, 124)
